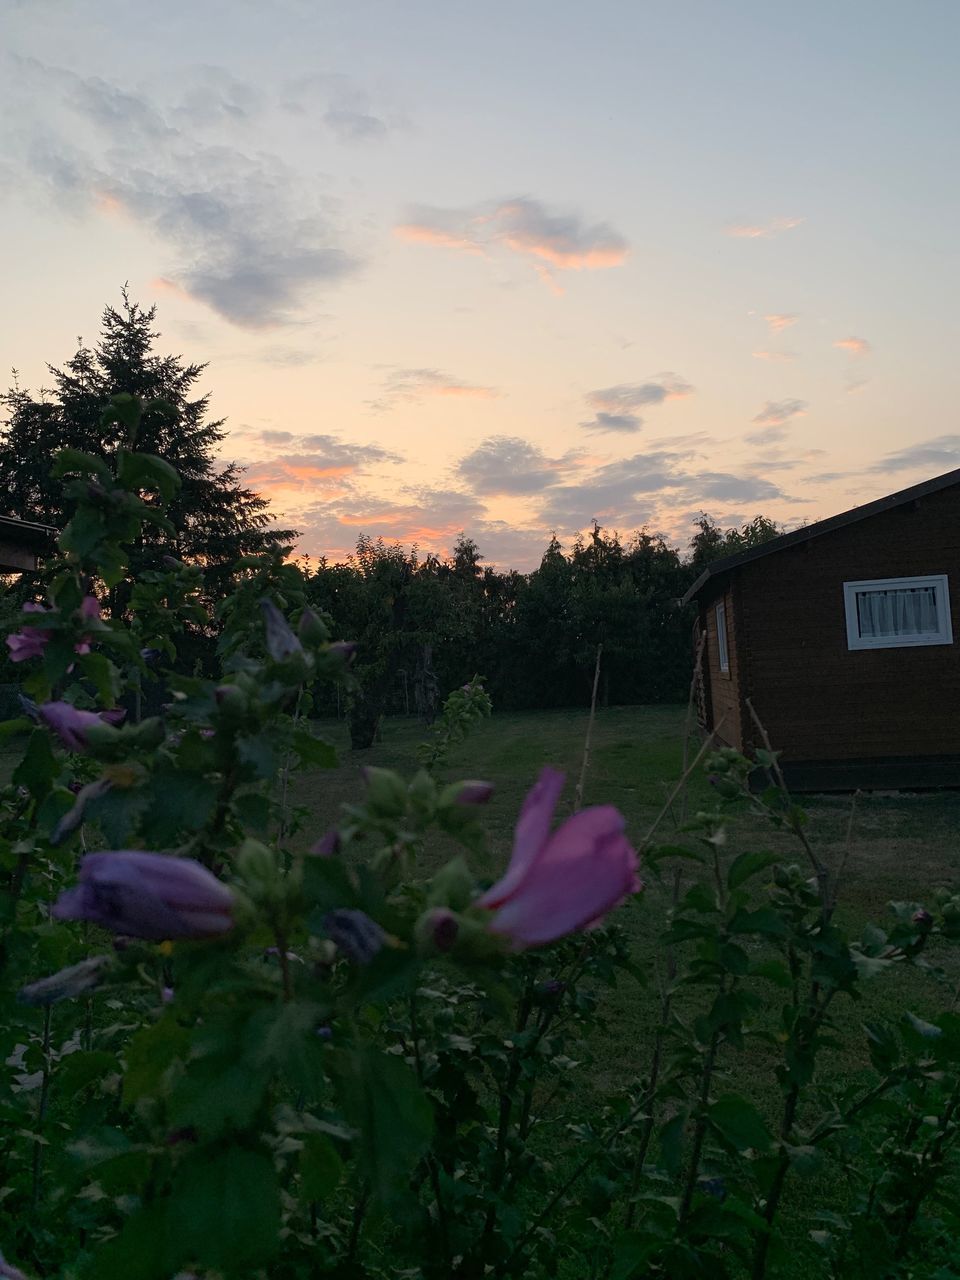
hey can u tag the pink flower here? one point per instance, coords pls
(71, 723)
(559, 883)
(31, 642)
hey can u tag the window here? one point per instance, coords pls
(723, 656)
(895, 613)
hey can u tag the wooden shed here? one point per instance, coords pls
(841, 635)
(22, 543)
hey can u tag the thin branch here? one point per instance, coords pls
(578, 796)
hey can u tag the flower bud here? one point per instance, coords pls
(69, 982)
(311, 628)
(328, 845)
(923, 920)
(9, 1272)
(386, 794)
(343, 650)
(473, 792)
(281, 642)
(437, 929)
(354, 934)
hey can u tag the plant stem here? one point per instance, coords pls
(578, 795)
(41, 1116)
(431, 1162)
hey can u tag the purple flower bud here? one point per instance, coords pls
(169, 562)
(325, 1033)
(166, 995)
(9, 1272)
(922, 919)
(474, 792)
(354, 934)
(441, 927)
(328, 845)
(69, 723)
(114, 716)
(150, 656)
(90, 609)
(553, 987)
(310, 628)
(69, 982)
(345, 650)
(281, 642)
(148, 895)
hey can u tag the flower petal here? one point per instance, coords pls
(530, 835)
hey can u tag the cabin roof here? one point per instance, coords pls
(27, 532)
(723, 565)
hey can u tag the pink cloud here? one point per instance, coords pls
(779, 321)
(562, 241)
(764, 231)
(854, 346)
(773, 356)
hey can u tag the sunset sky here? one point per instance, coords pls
(507, 267)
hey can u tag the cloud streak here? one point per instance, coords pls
(554, 240)
(411, 386)
(763, 230)
(776, 412)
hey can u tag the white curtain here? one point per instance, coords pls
(903, 611)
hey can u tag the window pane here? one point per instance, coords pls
(904, 611)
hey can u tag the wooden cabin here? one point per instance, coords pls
(22, 543)
(840, 636)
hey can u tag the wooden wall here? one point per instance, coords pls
(726, 700)
(818, 699)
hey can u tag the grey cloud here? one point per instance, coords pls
(507, 464)
(627, 422)
(248, 239)
(346, 109)
(614, 406)
(621, 492)
(776, 412)
(522, 225)
(942, 453)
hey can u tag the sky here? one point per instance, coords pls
(507, 268)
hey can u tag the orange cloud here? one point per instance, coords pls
(753, 231)
(855, 346)
(108, 204)
(414, 233)
(773, 355)
(778, 322)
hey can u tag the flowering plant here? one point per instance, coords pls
(244, 1049)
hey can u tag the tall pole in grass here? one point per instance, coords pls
(578, 797)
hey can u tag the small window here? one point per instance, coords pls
(723, 657)
(896, 613)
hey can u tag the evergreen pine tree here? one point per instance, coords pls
(215, 517)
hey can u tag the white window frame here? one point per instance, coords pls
(723, 652)
(944, 634)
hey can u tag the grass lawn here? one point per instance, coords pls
(902, 847)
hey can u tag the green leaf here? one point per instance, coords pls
(381, 1099)
(764, 921)
(149, 1054)
(98, 668)
(144, 471)
(39, 766)
(740, 1124)
(320, 1167)
(181, 802)
(78, 1070)
(313, 750)
(74, 462)
(747, 865)
(218, 1094)
(226, 1205)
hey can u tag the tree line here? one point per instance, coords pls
(423, 624)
